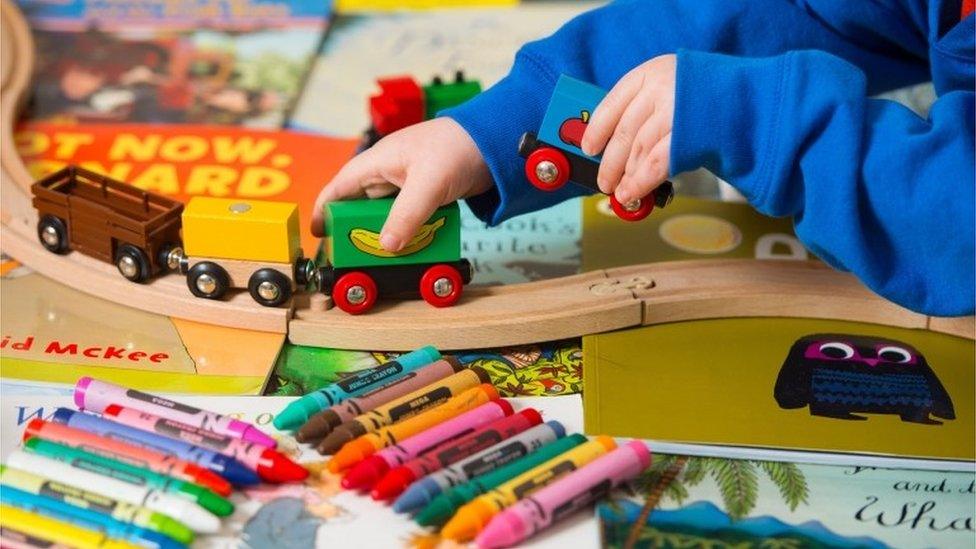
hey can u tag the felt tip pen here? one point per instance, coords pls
(365, 474)
(322, 423)
(298, 411)
(162, 463)
(422, 492)
(394, 482)
(121, 511)
(270, 465)
(368, 444)
(561, 498)
(57, 531)
(472, 518)
(187, 512)
(231, 469)
(76, 457)
(403, 408)
(95, 395)
(14, 539)
(84, 518)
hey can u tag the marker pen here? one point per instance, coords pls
(229, 468)
(57, 531)
(189, 513)
(94, 395)
(298, 412)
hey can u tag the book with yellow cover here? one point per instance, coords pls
(819, 391)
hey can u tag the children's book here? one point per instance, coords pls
(689, 501)
(818, 391)
(209, 62)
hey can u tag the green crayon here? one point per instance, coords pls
(133, 474)
(442, 508)
(118, 510)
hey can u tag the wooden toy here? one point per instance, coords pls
(554, 157)
(359, 269)
(237, 243)
(137, 231)
(403, 102)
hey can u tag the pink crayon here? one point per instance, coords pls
(565, 496)
(365, 474)
(94, 395)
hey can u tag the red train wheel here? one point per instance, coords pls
(441, 286)
(354, 293)
(547, 169)
(635, 211)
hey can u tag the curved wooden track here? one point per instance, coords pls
(486, 317)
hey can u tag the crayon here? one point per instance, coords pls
(229, 468)
(361, 448)
(365, 474)
(118, 510)
(94, 395)
(407, 406)
(396, 481)
(157, 462)
(322, 423)
(472, 518)
(132, 474)
(187, 512)
(86, 519)
(422, 492)
(57, 531)
(14, 539)
(270, 465)
(298, 411)
(572, 492)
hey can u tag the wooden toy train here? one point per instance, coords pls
(220, 243)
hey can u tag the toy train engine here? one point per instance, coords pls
(359, 270)
(403, 102)
(554, 157)
(109, 220)
(236, 243)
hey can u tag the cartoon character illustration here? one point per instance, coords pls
(839, 375)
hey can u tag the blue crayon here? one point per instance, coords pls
(234, 471)
(87, 519)
(297, 413)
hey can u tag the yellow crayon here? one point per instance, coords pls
(361, 448)
(472, 517)
(56, 531)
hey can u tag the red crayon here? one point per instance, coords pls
(271, 465)
(157, 462)
(443, 455)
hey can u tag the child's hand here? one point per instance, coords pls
(632, 127)
(432, 163)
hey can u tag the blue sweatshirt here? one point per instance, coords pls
(772, 96)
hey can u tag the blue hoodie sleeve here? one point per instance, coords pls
(873, 188)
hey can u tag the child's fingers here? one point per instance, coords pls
(417, 200)
(648, 136)
(355, 180)
(649, 172)
(615, 155)
(604, 119)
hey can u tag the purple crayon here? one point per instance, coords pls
(94, 395)
(565, 496)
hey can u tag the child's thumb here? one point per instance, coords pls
(411, 208)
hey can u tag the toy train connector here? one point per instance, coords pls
(553, 157)
(403, 102)
(221, 244)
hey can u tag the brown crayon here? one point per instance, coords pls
(404, 407)
(322, 423)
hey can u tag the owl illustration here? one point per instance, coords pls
(839, 375)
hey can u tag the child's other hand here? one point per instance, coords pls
(432, 163)
(632, 127)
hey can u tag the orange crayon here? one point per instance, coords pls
(361, 448)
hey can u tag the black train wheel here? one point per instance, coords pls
(132, 263)
(269, 287)
(52, 231)
(207, 280)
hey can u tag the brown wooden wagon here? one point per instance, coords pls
(98, 216)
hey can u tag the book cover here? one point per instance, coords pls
(819, 390)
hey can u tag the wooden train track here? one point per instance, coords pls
(486, 317)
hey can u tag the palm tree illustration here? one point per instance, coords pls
(737, 479)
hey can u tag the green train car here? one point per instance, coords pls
(359, 270)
